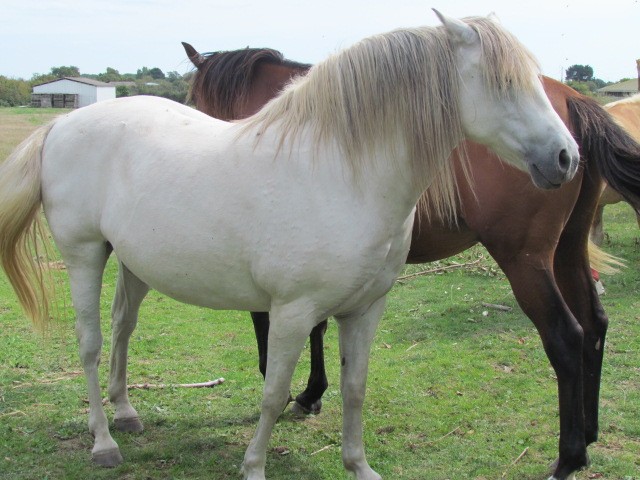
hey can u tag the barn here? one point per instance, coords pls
(625, 88)
(71, 92)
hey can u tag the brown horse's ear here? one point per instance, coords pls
(193, 55)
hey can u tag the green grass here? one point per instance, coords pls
(16, 123)
(453, 392)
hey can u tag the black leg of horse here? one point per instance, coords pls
(535, 289)
(310, 401)
(589, 312)
(261, 327)
(573, 274)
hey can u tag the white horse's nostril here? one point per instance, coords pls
(564, 160)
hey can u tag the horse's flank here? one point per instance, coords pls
(627, 113)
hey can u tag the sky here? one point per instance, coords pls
(36, 35)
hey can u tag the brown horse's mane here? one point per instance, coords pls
(599, 136)
(228, 74)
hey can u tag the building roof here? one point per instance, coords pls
(86, 81)
(628, 86)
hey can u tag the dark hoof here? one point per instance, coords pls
(109, 458)
(300, 409)
(128, 425)
(568, 472)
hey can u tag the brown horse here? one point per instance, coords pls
(627, 113)
(539, 239)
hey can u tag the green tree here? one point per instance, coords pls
(14, 92)
(122, 91)
(142, 72)
(580, 87)
(110, 75)
(579, 73)
(60, 72)
(156, 73)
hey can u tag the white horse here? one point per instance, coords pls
(304, 210)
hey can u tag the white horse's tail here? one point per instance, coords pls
(21, 225)
(604, 262)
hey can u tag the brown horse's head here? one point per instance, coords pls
(221, 76)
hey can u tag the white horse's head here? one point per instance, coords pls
(504, 106)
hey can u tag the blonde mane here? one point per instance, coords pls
(402, 85)
(632, 99)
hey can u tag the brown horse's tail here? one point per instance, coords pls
(21, 226)
(617, 153)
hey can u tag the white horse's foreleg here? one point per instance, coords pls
(289, 329)
(356, 332)
(85, 264)
(130, 291)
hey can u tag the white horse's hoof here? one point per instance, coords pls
(128, 425)
(108, 458)
(251, 475)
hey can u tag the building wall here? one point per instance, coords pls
(105, 93)
(87, 94)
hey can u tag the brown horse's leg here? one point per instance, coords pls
(310, 401)
(538, 295)
(573, 274)
(575, 281)
(261, 327)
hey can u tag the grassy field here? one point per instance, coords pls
(456, 390)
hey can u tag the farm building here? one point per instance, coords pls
(71, 92)
(625, 88)
(621, 89)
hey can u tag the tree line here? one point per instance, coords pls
(146, 81)
(581, 79)
(172, 85)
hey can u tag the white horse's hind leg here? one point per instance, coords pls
(356, 332)
(85, 264)
(130, 291)
(289, 329)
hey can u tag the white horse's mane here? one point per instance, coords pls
(402, 83)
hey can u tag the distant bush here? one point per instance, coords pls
(14, 93)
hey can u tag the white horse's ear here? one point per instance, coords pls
(493, 17)
(459, 31)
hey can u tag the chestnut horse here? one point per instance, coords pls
(538, 238)
(627, 113)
